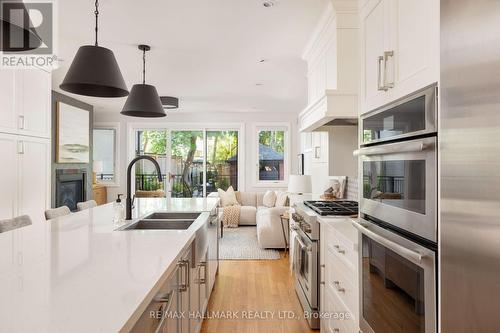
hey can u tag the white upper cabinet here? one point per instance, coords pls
(8, 176)
(25, 176)
(26, 102)
(34, 176)
(34, 107)
(399, 48)
(320, 147)
(8, 114)
(374, 43)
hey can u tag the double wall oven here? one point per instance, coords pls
(398, 216)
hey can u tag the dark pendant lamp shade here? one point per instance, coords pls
(143, 101)
(94, 71)
(17, 34)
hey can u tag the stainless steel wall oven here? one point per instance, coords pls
(398, 216)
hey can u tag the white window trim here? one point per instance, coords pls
(271, 126)
(116, 127)
(132, 127)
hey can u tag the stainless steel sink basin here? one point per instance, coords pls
(172, 216)
(160, 225)
(163, 221)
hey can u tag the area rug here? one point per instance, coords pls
(241, 244)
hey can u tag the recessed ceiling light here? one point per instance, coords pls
(268, 3)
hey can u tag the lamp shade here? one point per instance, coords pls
(169, 102)
(98, 166)
(299, 184)
(17, 32)
(94, 72)
(143, 101)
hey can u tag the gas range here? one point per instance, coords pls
(332, 208)
(306, 240)
(307, 213)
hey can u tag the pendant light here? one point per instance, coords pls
(17, 34)
(169, 102)
(143, 100)
(94, 71)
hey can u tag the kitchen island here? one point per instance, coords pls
(77, 274)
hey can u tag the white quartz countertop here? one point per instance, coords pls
(76, 274)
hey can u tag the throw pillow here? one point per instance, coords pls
(281, 198)
(227, 198)
(269, 199)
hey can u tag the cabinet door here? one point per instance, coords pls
(34, 177)
(203, 277)
(320, 147)
(8, 176)
(415, 43)
(185, 295)
(8, 115)
(374, 27)
(34, 100)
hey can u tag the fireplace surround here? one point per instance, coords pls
(70, 187)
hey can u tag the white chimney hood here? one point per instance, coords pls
(332, 56)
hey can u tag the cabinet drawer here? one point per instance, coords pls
(338, 319)
(335, 242)
(341, 280)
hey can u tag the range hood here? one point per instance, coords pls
(333, 60)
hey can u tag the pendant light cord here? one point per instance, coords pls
(144, 66)
(96, 12)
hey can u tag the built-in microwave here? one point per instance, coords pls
(410, 116)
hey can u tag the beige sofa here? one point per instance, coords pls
(267, 219)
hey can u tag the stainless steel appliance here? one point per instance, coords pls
(397, 282)
(470, 166)
(399, 164)
(398, 216)
(306, 231)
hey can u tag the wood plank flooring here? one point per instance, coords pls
(250, 288)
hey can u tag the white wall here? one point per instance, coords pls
(247, 120)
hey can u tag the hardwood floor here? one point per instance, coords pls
(249, 288)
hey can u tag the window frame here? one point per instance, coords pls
(271, 126)
(116, 127)
(132, 127)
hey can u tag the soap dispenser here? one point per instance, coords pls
(118, 210)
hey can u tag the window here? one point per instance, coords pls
(105, 154)
(151, 143)
(222, 160)
(187, 164)
(194, 162)
(272, 154)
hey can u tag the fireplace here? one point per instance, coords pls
(70, 187)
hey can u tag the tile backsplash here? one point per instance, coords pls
(352, 188)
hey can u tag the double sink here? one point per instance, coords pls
(163, 221)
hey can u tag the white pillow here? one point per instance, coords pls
(281, 198)
(269, 199)
(227, 198)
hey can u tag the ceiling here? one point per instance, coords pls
(206, 52)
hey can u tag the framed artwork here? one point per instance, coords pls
(300, 164)
(72, 134)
